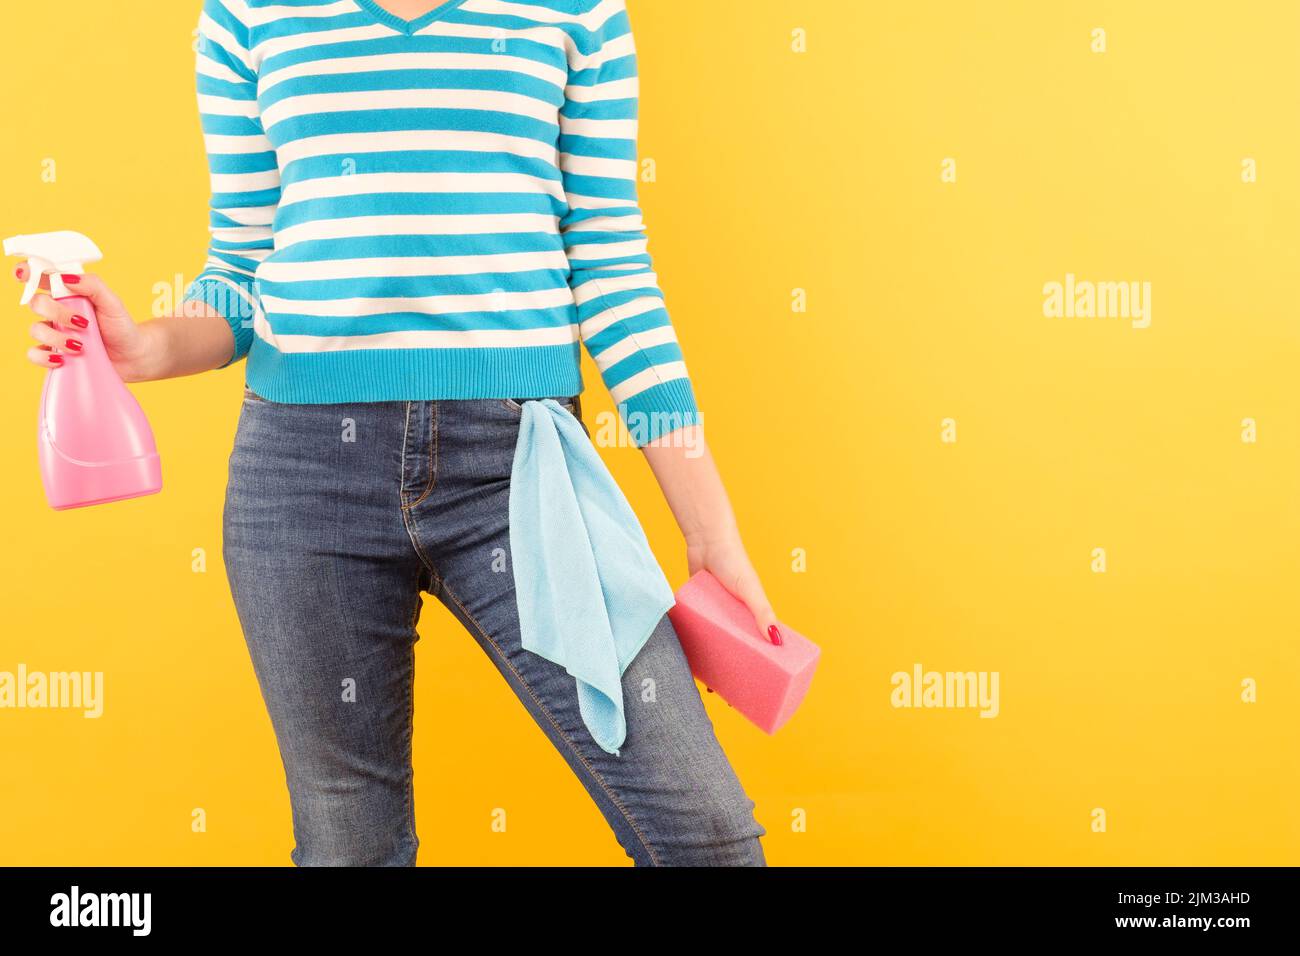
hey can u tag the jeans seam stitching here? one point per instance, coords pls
(401, 471)
(595, 775)
(410, 736)
(412, 531)
(410, 716)
(412, 524)
(433, 454)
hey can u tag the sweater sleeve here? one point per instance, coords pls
(623, 321)
(242, 163)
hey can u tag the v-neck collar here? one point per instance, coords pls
(408, 27)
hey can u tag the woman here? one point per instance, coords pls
(418, 212)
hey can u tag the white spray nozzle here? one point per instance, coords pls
(54, 254)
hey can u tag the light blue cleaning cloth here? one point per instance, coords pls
(589, 589)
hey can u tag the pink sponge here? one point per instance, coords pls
(762, 680)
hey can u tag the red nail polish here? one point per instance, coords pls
(56, 360)
(72, 279)
(72, 345)
(775, 635)
(79, 322)
(709, 689)
(18, 273)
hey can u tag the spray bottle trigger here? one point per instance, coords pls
(35, 269)
(57, 289)
(53, 254)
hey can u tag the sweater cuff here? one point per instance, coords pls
(660, 410)
(233, 300)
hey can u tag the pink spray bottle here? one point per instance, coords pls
(95, 443)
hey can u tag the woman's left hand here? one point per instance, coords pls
(726, 560)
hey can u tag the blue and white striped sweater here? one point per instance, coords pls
(440, 208)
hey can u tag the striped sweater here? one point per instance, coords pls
(438, 208)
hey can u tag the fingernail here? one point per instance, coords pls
(72, 279)
(56, 360)
(775, 635)
(19, 272)
(80, 323)
(709, 689)
(73, 345)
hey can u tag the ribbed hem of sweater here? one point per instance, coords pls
(233, 301)
(395, 375)
(660, 410)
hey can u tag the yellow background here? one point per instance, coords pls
(779, 171)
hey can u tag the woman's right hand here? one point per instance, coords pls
(129, 346)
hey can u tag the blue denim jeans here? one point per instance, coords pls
(337, 519)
